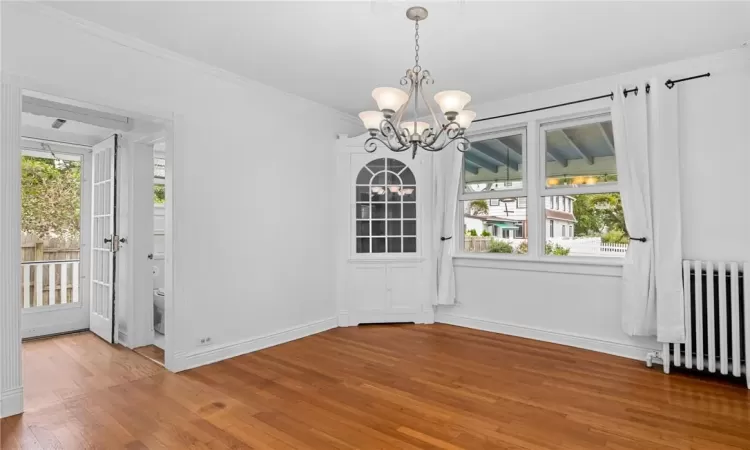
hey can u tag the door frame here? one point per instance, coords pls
(13, 87)
(33, 315)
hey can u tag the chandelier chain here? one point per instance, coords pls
(417, 67)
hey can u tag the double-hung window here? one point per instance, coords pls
(493, 194)
(578, 169)
(564, 200)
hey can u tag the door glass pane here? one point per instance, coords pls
(378, 210)
(363, 228)
(395, 165)
(410, 245)
(409, 193)
(363, 245)
(378, 228)
(394, 245)
(378, 245)
(363, 193)
(410, 227)
(363, 211)
(51, 228)
(394, 228)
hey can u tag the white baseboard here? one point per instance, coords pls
(11, 402)
(555, 337)
(216, 353)
(57, 328)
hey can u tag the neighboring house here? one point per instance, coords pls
(507, 218)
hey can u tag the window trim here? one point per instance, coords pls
(535, 190)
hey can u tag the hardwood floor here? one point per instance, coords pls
(394, 387)
(151, 352)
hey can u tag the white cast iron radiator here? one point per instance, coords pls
(717, 318)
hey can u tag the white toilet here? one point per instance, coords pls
(159, 295)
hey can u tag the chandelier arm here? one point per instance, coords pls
(390, 132)
(443, 129)
(427, 79)
(371, 144)
(406, 79)
(462, 145)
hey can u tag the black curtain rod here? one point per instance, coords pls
(669, 84)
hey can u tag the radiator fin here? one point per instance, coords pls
(717, 315)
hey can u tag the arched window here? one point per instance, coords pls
(386, 208)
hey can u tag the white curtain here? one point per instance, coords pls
(447, 178)
(667, 225)
(630, 127)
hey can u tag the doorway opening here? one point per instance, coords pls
(94, 227)
(54, 197)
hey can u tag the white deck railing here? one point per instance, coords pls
(47, 283)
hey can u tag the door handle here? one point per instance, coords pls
(107, 240)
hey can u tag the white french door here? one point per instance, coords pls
(54, 276)
(104, 242)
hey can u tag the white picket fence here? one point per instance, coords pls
(592, 246)
(48, 283)
(613, 248)
(578, 246)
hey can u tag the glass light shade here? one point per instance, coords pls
(409, 127)
(389, 98)
(465, 118)
(452, 101)
(371, 119)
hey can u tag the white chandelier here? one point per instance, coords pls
(386, 126)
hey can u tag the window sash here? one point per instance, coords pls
(534, 185)
(544, 127)
(503, 132)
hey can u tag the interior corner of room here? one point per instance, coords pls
(207, 214)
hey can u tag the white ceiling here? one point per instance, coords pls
(336, 52)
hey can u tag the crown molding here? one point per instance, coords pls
(142, 46)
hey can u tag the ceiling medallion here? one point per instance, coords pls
(389, 128)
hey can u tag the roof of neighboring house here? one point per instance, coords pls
(561, 215)
(494, 218)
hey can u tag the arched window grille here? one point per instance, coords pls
(386, 208)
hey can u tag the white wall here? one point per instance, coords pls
(583, 308)
(247, 155)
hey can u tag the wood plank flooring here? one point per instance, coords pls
(151, 352)
(374, 387)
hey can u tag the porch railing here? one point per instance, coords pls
(47, 283)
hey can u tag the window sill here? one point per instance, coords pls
(388, 260)
(572, 265)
